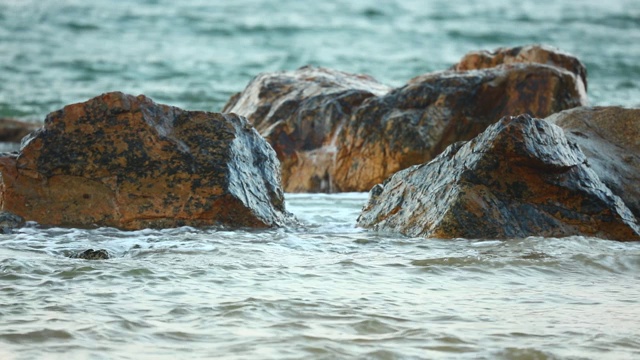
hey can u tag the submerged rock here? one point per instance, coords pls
(127, 162)
(610, 138)
(91, 254)
(335, 132)
(300, 113)
(519, 178)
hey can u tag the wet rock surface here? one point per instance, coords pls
(342, 132)
(519, 178)
(610, 138)
(124, 161)
(300, 113)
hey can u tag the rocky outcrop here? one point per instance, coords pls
(610, 138)
(127, 162)
(300, 114)
(519, 178)
(341, 132)
(12, 130)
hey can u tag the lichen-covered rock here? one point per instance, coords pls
(519, 178)
(412, 124)
(539, 54)
(610, 138)
(127, 162)
(299, 113)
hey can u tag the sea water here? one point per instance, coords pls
(326, 289)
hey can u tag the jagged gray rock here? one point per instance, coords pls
(519, 178)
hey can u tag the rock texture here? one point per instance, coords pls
(12, 130)
(127, 162)
(300, 113)
(519, 178)
(340, 132)
(610, 138)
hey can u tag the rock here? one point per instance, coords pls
(12, 130)
(610, 138)
(519, 178)
(413, 124)
(336, 132)
(539, 54)
(300, 113)
(127, 162)
(91, 254)
(9, 221)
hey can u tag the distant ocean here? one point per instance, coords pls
(196, 53)
(327, 290)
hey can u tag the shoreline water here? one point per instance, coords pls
(326, 290)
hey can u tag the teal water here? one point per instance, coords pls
(196, 53)
(326, 290)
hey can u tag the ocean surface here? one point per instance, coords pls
(325, 290)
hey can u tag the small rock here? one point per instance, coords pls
(10, 221)
(91, 254)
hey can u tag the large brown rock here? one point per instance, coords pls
(300, 113)
(127, 162)
(610, 138)
(539, 54)
(335, 132)
(519, 178)
(415, 123)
